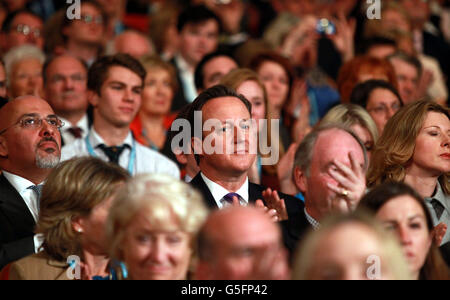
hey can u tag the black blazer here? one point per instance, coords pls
(292, 229)
(16, 225)
(179, 100)
(445, 251)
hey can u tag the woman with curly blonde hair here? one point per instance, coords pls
(415, 148)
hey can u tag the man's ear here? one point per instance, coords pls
(181, 158)
(3, 147)
(93, 98)
(300, 180)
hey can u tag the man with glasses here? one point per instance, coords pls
(30, 147)
(84, 37)
(65, 87)
(20, 28)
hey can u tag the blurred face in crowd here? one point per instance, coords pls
(392, 19)
(408, 79)
(382, 105)
(255, 94)
(215, 69)
(331, 145)
(158, 92)
(152, 254)
(25, 29)
(276, 81)
(27, 147)
(418, 10)
(66, 86)
(197, 40)
(2, 81)
(364, 135)
(432, 152)
(133, 44)
(239, 252)
(337, 258)
(26, 78)
(93, 236)
(120, 97)
(91, 27)
(405, 217)
(231, 135)
(381, 51)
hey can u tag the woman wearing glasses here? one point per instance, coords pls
(379, 98)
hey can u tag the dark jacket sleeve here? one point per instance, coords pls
(15, 250)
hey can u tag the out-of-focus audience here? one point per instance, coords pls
(298, 108)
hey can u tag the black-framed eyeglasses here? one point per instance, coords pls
(27, 30)
(35, 122)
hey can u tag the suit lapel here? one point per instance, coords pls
(201, 186)
(13, 207)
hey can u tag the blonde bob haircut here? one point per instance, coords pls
(349, 115)
(168, 204)
(395, 148)
(392, 258)
(72, 190)
(153, 63)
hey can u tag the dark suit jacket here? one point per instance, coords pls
(16, 225)
(179, 100)
(292, 229)
(90, 116)
(445, 251)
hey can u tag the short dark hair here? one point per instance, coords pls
(217, 91)
(51, 59)
(409, 59)
(377, 41)
(98, 72)
(196, 14)
(199, 75)
(361, 93)
(6, 26)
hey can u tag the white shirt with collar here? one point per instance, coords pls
(218, 191)
(187, 78)
(67, 136)
(147, 160)
(21, 185)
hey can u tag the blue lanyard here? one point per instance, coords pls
(132, 154)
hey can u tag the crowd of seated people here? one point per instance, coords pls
(224, 140)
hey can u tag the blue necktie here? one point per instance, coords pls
(37, 189)
(229, 197)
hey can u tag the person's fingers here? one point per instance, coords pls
(342, 180)
(259, 203)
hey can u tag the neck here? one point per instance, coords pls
(33, 174)
(276, 114)
(86, 51)
(312, 211)
(72, 117)
(190, 64)
(230, 183)
(151, 120)
(112, 135)
(424, 185)
(97, 265)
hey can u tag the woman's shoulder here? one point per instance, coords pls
(37, 267)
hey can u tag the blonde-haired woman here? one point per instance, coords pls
(415, 148)
(152, 227)
(153, 120)
(73, 210)
(357, 119)
(331, 254)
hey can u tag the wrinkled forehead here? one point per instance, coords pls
(225, 108)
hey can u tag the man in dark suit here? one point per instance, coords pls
(225, 152)
(65, 86)
(330, 170)
(199, 30)
(30, 147)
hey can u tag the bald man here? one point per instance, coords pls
(133, 43)
(241, 243)
(30, 147)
